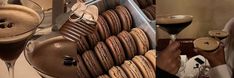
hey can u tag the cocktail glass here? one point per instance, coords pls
(17, 25)
(173, 24)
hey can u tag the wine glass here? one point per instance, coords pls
(173, 24)
(53, 56)
(17, 25)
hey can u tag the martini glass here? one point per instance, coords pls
(218, 34)
(17, 25)
(173, 24)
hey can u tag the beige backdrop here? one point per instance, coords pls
(208, 15)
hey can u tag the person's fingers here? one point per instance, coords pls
(173, 46)
(177, 53)
(178, 58)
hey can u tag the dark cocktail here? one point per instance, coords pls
(17, 25)
(218, 34)
(173, 24)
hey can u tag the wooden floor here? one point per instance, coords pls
(208, 15)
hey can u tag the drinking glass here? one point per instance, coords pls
(18, 23)
(173, 24)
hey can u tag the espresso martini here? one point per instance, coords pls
(219, 34)
(173, 24)
(17, 24)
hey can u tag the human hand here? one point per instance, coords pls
(169, 59)
(216, 57)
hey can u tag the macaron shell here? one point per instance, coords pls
(144, 66)
(128, 44)
(131, 69)
(151, 56)
(113, 21)
(93, 39)
(147, 13)
(92, 63)
(103, 76)
(125, 17)
(206, 43)
(143, 3)
(152, 11)
(103, 28)
(82, 71)
(116, 49)
(141, 40)
(104, 55)
(117, 72)
(82, 45)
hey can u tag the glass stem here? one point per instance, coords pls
(10, 66)
(173, 37)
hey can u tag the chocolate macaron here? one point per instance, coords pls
(125, 17)
(131, 69)
(116, 49)
(81, 69)
(141, 40)
(104, 76)
(143, 3)
(113, 21)
(147, 13)
(128, 44)
(82, 45)
(104, 55)
(144, 66)
(117, 72)
(103, 29)
(92, 63)
(152, 10)
(151, 56)
(93, 39)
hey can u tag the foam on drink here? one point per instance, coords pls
(22, 19)
(21, 24)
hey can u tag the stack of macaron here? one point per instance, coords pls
(116, 49)
(148, 7)
(150, 12)
(138, 67)
(144, 3)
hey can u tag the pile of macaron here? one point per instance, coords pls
(139, 67)
(116, 49)
(148, 7)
